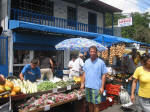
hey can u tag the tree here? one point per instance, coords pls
(139, 31)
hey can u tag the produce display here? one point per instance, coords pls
(117, 50)
(112, 54)
(16, 86)
(9, 86)
(49, 99)
(77, 79)
(105, 54)
(120, 77)
(120, 49)
(26, 86)
(47, 85)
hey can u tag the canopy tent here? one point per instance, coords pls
(108, 40)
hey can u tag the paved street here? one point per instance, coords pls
(117, 108)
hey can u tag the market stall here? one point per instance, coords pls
(44, 94)
(121, 68)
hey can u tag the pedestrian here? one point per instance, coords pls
(46, 67)
(70, 66)
(31, 71)
(93, 79)
(142, 74)
(78, 65)
(130, 66)
(130, 61)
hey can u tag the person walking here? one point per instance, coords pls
(93, 79)
(46, 67)
(31, 71)
(142, 74)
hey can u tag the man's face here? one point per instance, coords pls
(93, 53)
(33, 65)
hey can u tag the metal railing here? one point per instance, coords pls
(22, 15)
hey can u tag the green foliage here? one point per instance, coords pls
(108, 19)
(139, 31)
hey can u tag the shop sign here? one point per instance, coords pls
(125, 22)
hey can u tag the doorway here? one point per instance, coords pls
(92, 22)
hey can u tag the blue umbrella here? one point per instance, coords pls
(81, 44)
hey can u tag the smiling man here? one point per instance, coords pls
(93, 79)
(31, 71)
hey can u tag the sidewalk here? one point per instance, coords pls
(114, 108)
(117, 108)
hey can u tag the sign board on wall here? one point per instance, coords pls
(125, 22)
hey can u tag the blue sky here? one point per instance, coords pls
(129, 6)
(144, 5)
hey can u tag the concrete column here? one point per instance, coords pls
(66, 58)
(10, 54)
(31, 55)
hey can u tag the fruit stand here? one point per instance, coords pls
(53, 94)
(50, 100)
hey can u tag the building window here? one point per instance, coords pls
(45, 7)
(71, 16)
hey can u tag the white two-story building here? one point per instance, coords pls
(32, 27)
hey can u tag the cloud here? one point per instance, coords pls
(127, 6)
(148, 10)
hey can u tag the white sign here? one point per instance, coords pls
(47, 107)
(55, 90)
(125, 22)
(69, 87)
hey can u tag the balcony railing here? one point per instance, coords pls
(27, 16)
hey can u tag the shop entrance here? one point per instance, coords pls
(4, 56)
(23, 57)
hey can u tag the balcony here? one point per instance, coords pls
(26, 16)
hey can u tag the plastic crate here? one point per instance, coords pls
(102, 106)
(113, 89)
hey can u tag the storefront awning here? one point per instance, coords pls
(13, 24)
(104, 39)
(108, 40)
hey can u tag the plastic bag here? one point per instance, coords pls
(125, 98)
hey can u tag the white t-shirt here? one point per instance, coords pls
(78, 64)
(70, 64)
